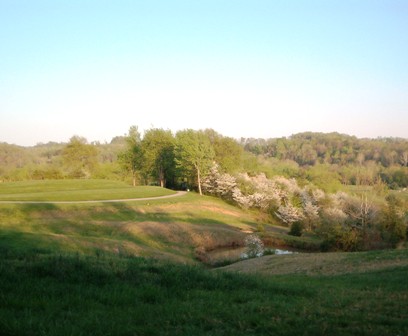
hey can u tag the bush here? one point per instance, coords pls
(296, 229)
(254, 246)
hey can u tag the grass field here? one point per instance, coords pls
(75, 190)
(131, 269)
(170, 228)
(73, 295)
(336, 263)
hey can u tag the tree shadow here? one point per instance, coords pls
(110, 227)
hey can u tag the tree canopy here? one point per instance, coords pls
(194, 153)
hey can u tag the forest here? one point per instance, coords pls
(349, 192)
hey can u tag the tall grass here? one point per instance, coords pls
(73, 295)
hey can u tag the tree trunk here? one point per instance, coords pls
(161, 177)
(134, 179)
(199, 181)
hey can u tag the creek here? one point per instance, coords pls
(240, 253)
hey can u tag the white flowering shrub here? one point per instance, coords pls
(254, 247)
(288, 185)
(311, 215)
(242, 200)
(318, 195)
(334, 215)
(289, 214)
(222, 185)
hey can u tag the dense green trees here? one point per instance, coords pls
(131, 158)
(158, 155)
(79, 157)
(228, 153)
(356, 161)
(172, 160)
(194, 154)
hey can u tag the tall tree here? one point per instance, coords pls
(80, 157)
(228, 152)
(131, 158)
(194, 153)
(158, 154)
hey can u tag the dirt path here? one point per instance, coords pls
(177, 194)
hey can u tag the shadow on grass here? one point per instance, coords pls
(109, 227)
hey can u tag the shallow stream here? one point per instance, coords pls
(240, 253)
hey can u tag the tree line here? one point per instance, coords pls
(157, 157)
(304, 182)
(178, 161)
(349, 160)
(327, 160)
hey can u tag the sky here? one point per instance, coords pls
(253, 68)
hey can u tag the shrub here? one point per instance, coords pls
(254, 246)
(296, 229)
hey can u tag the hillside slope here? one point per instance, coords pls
(322, 263)
(172, 228)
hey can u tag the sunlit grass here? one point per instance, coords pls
(75, 190)
(163, 228)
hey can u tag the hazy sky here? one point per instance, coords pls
(254, 68)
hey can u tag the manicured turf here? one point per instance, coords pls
(75, 190)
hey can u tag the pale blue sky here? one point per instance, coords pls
(255, 68)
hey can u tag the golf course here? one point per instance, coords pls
(133, 262)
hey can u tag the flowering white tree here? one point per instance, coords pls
(335, 215)
(219, 184)
(264, 192)
(311, 215)
(289, 214)
(254, 246)
(288, 185)
(210, 180)
(318, 195)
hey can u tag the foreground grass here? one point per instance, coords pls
(337, 263)
(75, 190)
(73, 295)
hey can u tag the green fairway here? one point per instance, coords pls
(76, 190)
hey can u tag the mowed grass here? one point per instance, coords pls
(75, 190)
(170, 228)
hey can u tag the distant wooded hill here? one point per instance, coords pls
(333, 148)
(311, 156)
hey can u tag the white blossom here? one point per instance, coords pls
(218, 184)
(289, 214)
(254, 247)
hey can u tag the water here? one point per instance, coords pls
(240, 253)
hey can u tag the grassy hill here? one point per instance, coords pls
(338, 263)
(84, 295)
(86, 268)
(171, 228)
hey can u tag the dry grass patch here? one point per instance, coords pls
(320, 263)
